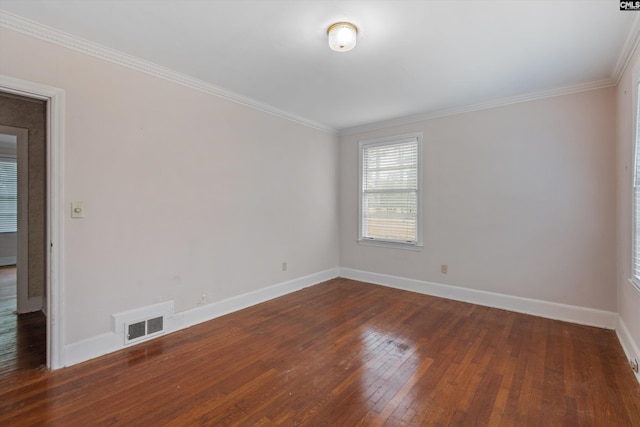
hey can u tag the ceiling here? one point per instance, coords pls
(414, 59)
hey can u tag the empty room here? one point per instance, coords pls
(319, 213)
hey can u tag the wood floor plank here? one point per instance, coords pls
(342, 353)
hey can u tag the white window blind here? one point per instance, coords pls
(636, 199)
(8, 196)
(389, 198)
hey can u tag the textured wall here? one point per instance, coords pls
(8, 241)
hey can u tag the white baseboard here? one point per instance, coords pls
(211, 311)
(109, 342)
(551, 310)
(29, 305)
(629, 345)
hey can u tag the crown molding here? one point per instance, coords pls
(628, 49)
(48, 34)
(565, 90)
(42, 32)
(626, 53)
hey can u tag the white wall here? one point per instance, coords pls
(185, 193)
(518, 200)
(628, 296)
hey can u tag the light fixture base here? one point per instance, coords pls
(342, 36)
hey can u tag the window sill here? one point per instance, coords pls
(388, 244)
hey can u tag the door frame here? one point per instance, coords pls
(54, 296)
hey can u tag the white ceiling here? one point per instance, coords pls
(413, 58)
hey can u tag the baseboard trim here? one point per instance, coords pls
(629, 346)
(30, 305)
(113, 341)
(207, 312)
(551, 310)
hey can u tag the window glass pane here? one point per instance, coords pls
(390, 216)
(389, 193)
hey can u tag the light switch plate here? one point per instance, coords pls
(77, 210)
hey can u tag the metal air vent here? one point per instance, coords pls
(143, 329)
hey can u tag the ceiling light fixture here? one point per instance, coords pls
(342, 36)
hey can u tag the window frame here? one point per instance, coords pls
(635, 201)
(635, 158)
(397, 139)
(635, 155)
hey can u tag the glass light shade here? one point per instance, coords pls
(342, 36)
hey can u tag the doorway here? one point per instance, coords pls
(23, 254)
(14, 214)
(54, 243)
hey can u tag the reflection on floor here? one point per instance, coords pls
(22, 337)
(344, 353)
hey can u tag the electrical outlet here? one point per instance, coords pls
(443, 269)
(284, 266)
(634, 365)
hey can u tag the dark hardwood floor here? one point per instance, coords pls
(22, 337)
(344, 353)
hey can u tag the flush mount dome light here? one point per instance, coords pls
(342, 36)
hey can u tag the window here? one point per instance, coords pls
(8, 195)
(636, 199)
(390, 191)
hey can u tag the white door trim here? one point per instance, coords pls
(54, 303)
